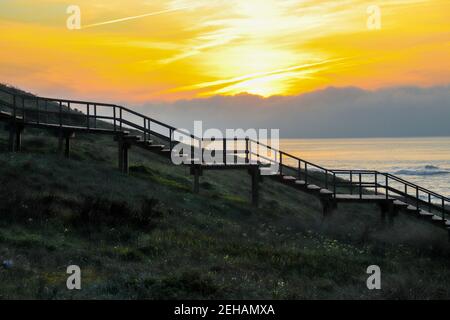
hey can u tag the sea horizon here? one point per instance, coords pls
(421, 160)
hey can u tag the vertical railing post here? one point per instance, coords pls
(280, 154)
(60, 113)
(306, 173)
(387, 187)
(95, 116)
(121, 118)
(443, 209)
(334, 185)
(87, 118)
(250, 150)
(257, 151)
(235, 150)
(299, 169)
(417, 197)
(351, 182)
(429, 202)
(360, 186)
(376, 183)
(170, 137)
(192, 149)
(200, 147)
(145, 129)
(114, 117)
(247, 159)
(224, 150)
(326, 179)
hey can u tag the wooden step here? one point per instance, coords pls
(400, 203)
(325, 191)
(128, 137)
(357, 197)
(9, 115)
(300, 182)
(313, 187)
(157, 146)
(289, 178)
(425, 214)
(437, 218)
(412, 208)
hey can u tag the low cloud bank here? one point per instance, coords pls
(328, 113)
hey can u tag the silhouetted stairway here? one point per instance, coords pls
(129, 128)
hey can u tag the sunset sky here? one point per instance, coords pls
(156, 50)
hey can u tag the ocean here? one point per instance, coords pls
(423, 161)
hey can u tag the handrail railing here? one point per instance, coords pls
(63, 109)
(119, 119)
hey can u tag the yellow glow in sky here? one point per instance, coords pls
(139, 51)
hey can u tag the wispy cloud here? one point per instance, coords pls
(227, 85)
(156, 13)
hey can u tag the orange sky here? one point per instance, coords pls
(192, 48)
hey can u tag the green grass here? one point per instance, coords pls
(147, 236)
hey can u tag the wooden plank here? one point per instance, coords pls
(325, 191)
(400, 203)
(300, 182)
(425, 214)
(128, 137)
(313, 187)
(357, 197)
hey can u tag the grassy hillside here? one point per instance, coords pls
(147, 236)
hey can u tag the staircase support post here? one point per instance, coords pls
(328, 206)
(18, 143)
(123, 147)
(196, 172)
(255, 177)
(15, 137)
(389, 211)
(64, 142)
(126, 165)
(120, 155)
(11, 142)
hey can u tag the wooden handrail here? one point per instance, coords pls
(118, 119)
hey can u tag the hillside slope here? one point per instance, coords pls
(147, 236)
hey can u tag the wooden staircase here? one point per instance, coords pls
(129, 128)
(389, 204)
